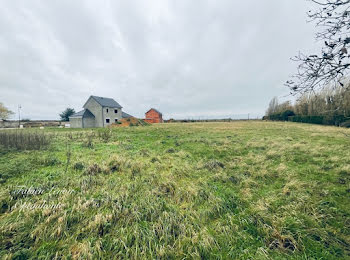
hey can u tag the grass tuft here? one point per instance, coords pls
(234, 190)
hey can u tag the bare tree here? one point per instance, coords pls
(273, 105)
(330, 101)
(332, 65)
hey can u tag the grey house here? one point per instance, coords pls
(98, 112)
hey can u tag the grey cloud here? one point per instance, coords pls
(188, 58)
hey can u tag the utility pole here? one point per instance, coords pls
(248, 116)
(19, 116)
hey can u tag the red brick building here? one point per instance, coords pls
(154, 116)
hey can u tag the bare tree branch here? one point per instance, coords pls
(333, 64)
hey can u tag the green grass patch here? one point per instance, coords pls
(241, 190)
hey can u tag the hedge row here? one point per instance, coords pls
(289, 115)
(321, 120)
(281, 116)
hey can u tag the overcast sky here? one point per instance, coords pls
(216, 58)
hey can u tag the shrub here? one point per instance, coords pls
(171, 150)
(287, 114)
(144, 152)
(275, 117)
(88, 143)
(154, 159)
(51, 161)
(213, 164)
(280, 116)
(105, 134)
(167, 189)
(135, 170)
(118, 163)
(78, 166)
(24, 140)
(338, 120)
(93, 169)
(345, 124)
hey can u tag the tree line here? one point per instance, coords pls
(318, 102)
(329, 106)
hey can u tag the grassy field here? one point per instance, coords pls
(242, 190)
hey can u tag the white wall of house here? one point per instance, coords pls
(88, 122)
(76, 122)
(96, 109)
(112, 114)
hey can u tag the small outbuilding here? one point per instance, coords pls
(82, 119)
(153, 116)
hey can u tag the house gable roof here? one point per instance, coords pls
(154, 110)
(105, 102)
(83, 113)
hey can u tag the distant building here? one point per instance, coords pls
(98, 112)
(153, 116)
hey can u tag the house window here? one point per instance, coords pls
(116, 111)
(107, 120)
(107, 110)
(116, 120)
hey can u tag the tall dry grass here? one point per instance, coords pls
(24, 140)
